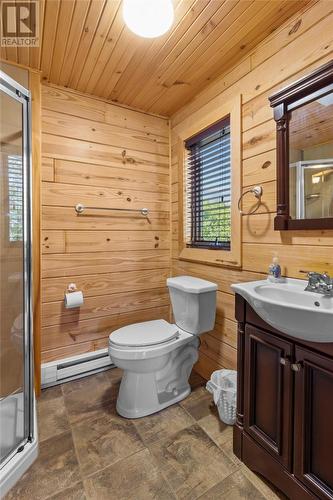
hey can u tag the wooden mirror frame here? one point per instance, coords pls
(291, 97)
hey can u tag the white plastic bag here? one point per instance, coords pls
(223, 386)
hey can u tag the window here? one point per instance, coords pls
(208, 188)
(209, 184)
(15, 201)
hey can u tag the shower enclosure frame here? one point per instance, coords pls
(21, 457)
(300, 167)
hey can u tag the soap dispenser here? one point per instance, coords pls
(274, 271)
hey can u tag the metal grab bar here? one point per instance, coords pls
(79, 209)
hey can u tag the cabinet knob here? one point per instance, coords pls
(296, 367)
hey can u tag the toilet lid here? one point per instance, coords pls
(144, 334)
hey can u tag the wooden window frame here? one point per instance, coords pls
(217, 257)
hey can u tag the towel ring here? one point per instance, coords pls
(257, 191)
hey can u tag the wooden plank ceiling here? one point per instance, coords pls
(86, 46)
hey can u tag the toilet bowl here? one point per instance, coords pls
(157, 357)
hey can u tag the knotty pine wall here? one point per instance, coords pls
(299, 46)
(104, 155)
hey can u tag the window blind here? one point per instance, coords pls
(15, 197)
(208, 188)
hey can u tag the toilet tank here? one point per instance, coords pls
(193, 303)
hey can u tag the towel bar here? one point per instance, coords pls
(79, 208)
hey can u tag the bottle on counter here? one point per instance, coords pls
(274, 271)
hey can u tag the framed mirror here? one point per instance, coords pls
(303, 112)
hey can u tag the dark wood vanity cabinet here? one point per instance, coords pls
(268, 392)
(284, 428)
(313, 449)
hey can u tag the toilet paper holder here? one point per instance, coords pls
(73, 297)
(71, 288)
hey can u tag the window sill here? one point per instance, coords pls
(209, 257)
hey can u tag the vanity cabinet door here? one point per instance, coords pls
(268, 392)
(314, 422)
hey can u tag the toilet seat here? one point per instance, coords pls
(147, 333)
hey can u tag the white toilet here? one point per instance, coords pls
(157, 357)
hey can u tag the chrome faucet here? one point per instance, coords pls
(319, 283)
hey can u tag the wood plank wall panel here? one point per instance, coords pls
(85, 45)
(299, 46)
(104, 155)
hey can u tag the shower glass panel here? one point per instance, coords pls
(311, 189)
(15, 312)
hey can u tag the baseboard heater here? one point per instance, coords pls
(82, 365)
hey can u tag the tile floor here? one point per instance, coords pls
(88, 452)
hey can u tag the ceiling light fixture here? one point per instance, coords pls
(148, 18)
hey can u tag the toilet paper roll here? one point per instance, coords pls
(73, 299)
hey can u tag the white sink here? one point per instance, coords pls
(288, 308)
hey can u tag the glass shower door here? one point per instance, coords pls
(15, 341)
